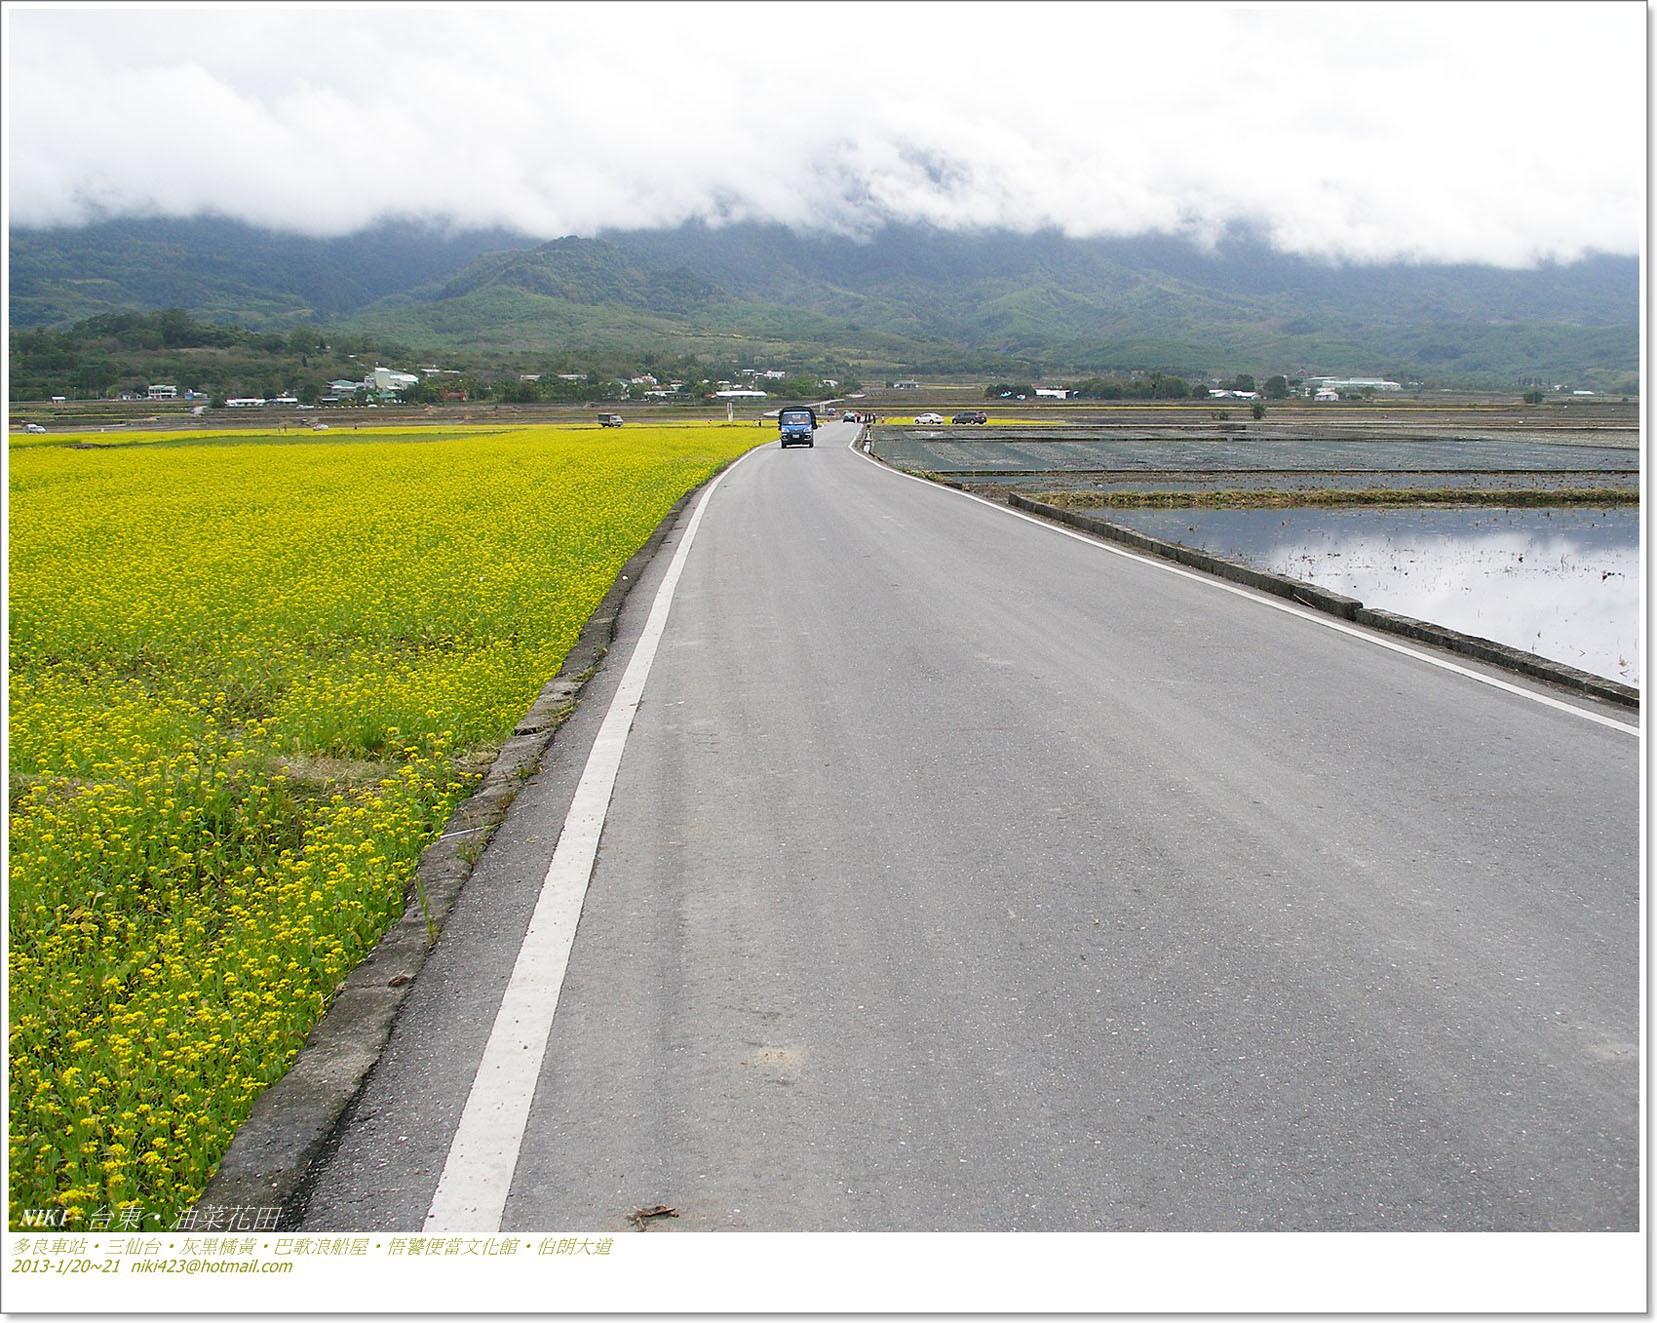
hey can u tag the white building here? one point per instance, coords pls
(1352, 383)
(388, 382)
(163, 393)
(1051, 393)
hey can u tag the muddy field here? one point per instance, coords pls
(1403, 448)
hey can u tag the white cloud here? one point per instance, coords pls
(1435, 132)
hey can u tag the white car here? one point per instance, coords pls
(929, 418)
(33, 427)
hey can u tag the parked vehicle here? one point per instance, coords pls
(797, 426)
(929, 418)
(609, 420)
(970, 418)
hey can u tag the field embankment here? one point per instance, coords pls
(251, 676)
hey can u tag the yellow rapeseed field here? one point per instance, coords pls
(244, 669)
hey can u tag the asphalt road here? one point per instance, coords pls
(964, 874)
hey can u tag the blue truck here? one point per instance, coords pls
(797, 426)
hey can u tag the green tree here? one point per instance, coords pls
(521, 392)
(93, 376)
(177, 328)
(424, 391)
(1276, 388)
(304, 340)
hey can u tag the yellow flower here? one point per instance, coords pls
(190, 662)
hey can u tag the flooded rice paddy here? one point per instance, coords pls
(1562, 583)
(1497, 462)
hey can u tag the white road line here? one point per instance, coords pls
(1316, 617)
(477, 1176)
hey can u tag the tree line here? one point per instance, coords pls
(116, 353)
(124, 353)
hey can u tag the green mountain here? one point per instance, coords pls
(911, 297)
(226, 271)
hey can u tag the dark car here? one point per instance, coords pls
(797, 425)
(970, 418)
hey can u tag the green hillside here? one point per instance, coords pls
(910, 299)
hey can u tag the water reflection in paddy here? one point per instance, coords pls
(1561, 583)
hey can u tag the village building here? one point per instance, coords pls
(388, 381)
(1352, 383)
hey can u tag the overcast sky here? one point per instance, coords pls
(1503, 133)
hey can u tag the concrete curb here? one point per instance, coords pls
(1348, 608)
(292, 1121)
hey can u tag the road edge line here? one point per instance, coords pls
(275, 1151)
(1583, 683)
(1325, 619)
(482, 1159)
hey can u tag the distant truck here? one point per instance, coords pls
(609, 420)
(797, 426)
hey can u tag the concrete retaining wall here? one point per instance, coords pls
(1348, 608)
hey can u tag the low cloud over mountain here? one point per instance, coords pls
(1442, 133)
